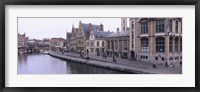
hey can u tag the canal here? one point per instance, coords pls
(45, 64)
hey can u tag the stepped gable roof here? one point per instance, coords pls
(122, 33)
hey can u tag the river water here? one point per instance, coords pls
(45, 64)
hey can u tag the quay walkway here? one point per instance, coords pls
(126, 65)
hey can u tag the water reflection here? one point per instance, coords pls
(78, 68)
(45, 64)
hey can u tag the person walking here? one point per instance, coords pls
(166, 64)
(154, 65)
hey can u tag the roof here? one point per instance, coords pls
(123, 33)
(85, 28)
(101, 33)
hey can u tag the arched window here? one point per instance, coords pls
(160, 44)
(97, 43)
(180, 44)
(144, 45)
(170, 44)
(160, 26)
(170, 25)
(176, 44)
(144, 28)
(176, 26)
(103, 43)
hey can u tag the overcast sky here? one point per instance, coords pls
(39, 28)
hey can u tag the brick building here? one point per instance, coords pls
(158, 39)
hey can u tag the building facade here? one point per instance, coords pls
(80, 35)
(73, 40)
(22, 41)
(96, 44)
(158, 39)
(118, 44)
(57, 43)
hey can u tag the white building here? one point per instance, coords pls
(96, 44)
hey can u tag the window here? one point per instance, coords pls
(92, 43)
(132, 36)
(125, 45)
(176, 58)
(171, 58)
(144, 45)
(120, 44)
(132, 25)
(92, 50)
(176, 26)
(170, 44)
(116, 45)
(108, 45)
(160, 26)
(170, 25)
(176, 44)
(156, 58)
(87, 43)
(102, 49)
(163, 58)
(144, 28)
(103, 43)
(97, 43)
(160, 44)
(112, 44)
(181, 45)
(181, 27)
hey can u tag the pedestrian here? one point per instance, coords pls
(114, 59)
(173, 65)
(154, 65)
(166, 64)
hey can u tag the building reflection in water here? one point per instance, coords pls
(78, 68)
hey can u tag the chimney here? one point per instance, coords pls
(117, 29)
(101, 27)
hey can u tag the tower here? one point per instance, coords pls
(123, 24)
(132, 25)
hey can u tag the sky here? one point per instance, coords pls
(39, 28)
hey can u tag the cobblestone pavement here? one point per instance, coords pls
(129, 63)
